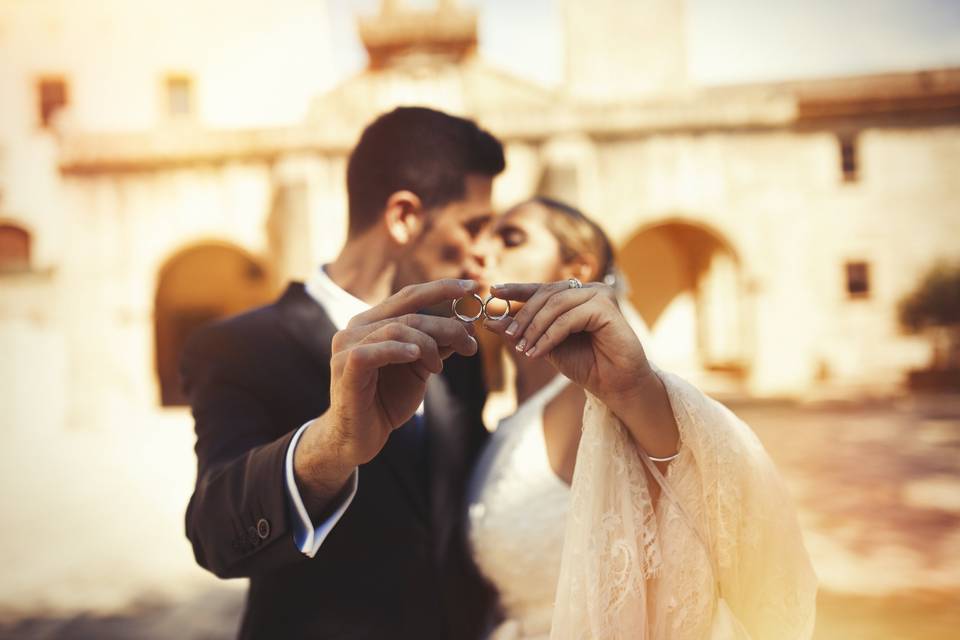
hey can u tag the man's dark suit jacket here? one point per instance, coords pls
(396, 565)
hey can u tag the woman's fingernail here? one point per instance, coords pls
(521, 345)
(467, 284)
(531, 352)
(512, 329)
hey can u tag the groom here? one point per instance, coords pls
(332, 457)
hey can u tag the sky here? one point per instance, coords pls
(728, 41)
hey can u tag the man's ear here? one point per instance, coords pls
(404, 217)
(583, 267)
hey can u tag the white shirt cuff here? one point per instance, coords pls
(307, 535)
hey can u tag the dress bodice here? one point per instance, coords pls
(517, 518)
(517, 514)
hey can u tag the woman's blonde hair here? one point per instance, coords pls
(577, 235)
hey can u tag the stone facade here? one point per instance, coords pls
(742, 216)
(730, 207)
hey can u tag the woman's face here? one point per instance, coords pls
(522, 248)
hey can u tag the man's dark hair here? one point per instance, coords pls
(420, 150)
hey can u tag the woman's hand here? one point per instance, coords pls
(580, 330)
(584, 334)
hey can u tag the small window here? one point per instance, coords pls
(179, 96)
(858, 279)
(848, 157)
(14, 249)
(51, 97)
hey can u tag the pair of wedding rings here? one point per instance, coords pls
(572, 283)
(483, 309)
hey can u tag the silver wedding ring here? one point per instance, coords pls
(465, 318)
(574, 283)
(483, 310)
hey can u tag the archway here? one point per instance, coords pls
(198, 285)
(685, 282)
(14, 248)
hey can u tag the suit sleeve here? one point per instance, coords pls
(238, 519)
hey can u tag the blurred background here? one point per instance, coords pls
(781, 181)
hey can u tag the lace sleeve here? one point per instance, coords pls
(610, 549)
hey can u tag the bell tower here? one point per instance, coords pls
(445, 32)
(624, 50)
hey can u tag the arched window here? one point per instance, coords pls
(14, 249)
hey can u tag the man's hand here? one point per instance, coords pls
(379, 369)
(382, 360)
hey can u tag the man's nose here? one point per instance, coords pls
(476, 265)
(480, 258)
(483, 249)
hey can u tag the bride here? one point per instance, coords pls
(618, 501)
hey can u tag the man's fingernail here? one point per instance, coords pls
(512, 329)
(413, 349)
(531, 352)
(521, 345)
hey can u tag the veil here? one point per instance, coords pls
(766, 587)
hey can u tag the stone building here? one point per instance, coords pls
(767, 231)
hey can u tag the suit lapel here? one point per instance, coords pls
(307, 322)
(404, 455)
(455, 436)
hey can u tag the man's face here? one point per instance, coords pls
(451, 245)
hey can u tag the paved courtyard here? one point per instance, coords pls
(877, 485)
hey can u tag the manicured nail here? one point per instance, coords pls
(521, 345)
(512, 329)
(531, 352)
(467, 284)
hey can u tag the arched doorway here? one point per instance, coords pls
(14, 248)
(685, 282)
(196, 286)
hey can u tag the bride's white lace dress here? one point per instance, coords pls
(595, 560)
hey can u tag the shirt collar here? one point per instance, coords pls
(340, 304)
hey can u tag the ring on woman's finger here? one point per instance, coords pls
(573, 283)
(473, 318)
